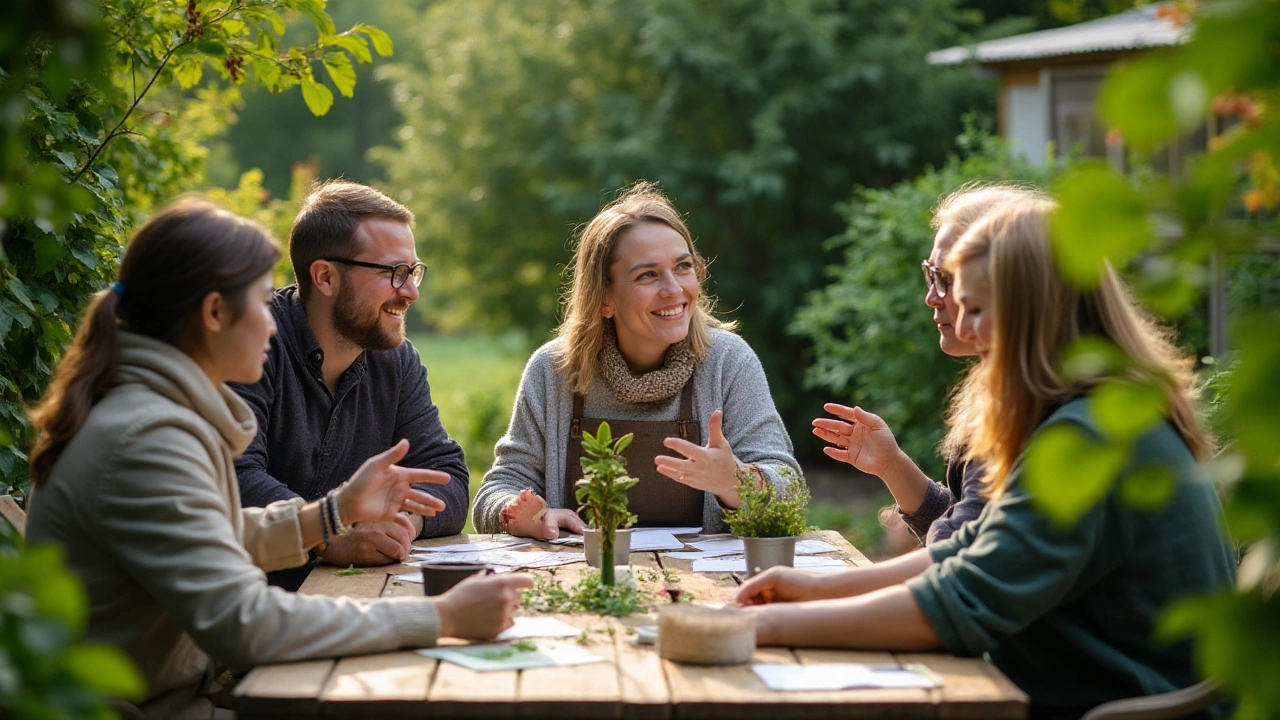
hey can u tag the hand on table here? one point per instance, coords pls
(372, 543)
(481, 607)
(711, 468)
(777, 584)
(860, 438)
(528, 516)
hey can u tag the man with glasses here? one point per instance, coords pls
(341, 384)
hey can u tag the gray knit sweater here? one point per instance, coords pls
(729, 378)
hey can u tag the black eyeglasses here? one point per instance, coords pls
(399, 272)
(937, 278)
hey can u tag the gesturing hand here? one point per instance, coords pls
(480, 607)
(865, 441)
(711, 468)
(528, 516)
(380, 489)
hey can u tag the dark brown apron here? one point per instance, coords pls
(657, 500)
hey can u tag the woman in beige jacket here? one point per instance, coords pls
(134, 477)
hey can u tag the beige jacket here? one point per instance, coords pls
(146, 503)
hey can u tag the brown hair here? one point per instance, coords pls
(582, 331)
(188, 249)
(327, 223)
(1037, 314)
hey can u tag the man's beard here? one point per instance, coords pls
(367, 333)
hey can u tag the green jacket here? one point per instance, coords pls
(1068, 614)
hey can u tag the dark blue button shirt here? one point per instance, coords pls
(310, 440)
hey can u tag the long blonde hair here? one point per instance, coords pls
(1037, 314)
(582, 331)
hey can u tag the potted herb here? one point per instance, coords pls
(769, 520)
(602, 498)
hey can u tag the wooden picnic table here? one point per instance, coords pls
(635, 683)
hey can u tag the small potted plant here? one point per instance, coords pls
(602, 498)
(769, 520)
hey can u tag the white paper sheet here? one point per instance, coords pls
(739, 564)
(539, 627)
(733, 546)
(642, 539)
(484, 658)
(841, 676)
(472, 547)
(506, 558)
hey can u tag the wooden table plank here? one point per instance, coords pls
(394, 685)
(458, 692)
(971, 688)
(285, 690)
(870, 702)
(576, 691)
(641, 679)
(708, 692)
(324, 580)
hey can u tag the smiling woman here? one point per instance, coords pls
(641, 348)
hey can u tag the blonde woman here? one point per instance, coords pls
(932, 511)
(640, 348)
(1067, 613)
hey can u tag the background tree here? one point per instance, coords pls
(757, 116)
(98, 142)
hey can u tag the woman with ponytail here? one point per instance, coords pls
(1067, 612)
(133, 475)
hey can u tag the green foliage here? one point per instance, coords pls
(1221, 203)
(602, 492)
(874, 343)
(99, 144)
(590, 594)
(757, 116)
(349, 570)
(767, 511)
(47, 671)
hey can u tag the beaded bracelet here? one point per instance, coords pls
(332, 501)
(324, 527)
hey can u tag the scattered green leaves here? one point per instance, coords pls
(349, 570)
(590, 595)
(767, 511)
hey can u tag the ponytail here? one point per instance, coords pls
(78, 383)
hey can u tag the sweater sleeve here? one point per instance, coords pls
(161, 513)
(273, 535)
(418, 420)
(963, 509)
(936, 501)
(751, 422)
(989, 582)
(520, 459)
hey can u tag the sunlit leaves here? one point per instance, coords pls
(318, 97)
(1148, 487)
(1125, 410)
(46, 672)
(1101, 219)
(341, 72)
(1236, 639)
(1067, 471)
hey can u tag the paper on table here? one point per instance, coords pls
(739, 564)
(471, 547)
(733, 546)
(539, 627)
(513, 559)
(839, 676)
(642, 539)
(484, 658)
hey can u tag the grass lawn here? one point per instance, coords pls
(473, 381)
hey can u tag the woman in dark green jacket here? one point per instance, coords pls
(1066, 609)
